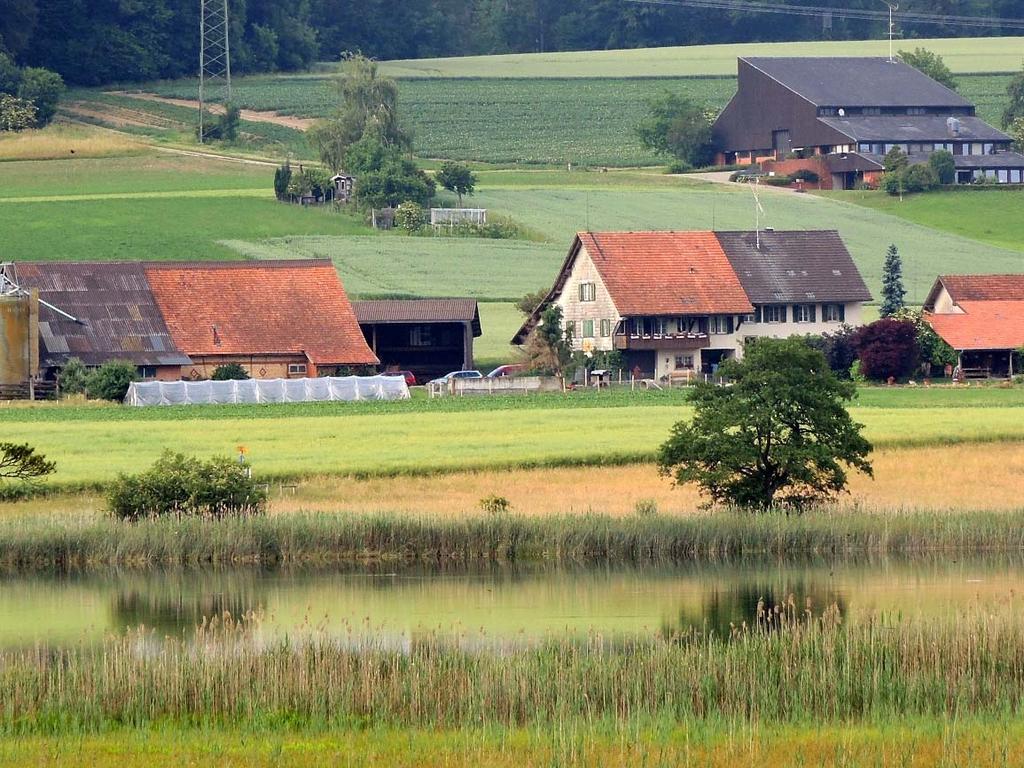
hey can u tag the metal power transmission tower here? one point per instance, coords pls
(214, 59)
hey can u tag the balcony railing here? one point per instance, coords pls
(667, 341)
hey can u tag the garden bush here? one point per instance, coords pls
(229, 372)
(111, 380)
(185, 485)
(887, 347)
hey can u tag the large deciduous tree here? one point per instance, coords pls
(930, 64)
(887, 348)
(457, 178)
(1015, 107)
(678, 127)
(779, 436)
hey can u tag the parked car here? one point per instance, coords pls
(410, 379)
(456, 375)
(506, 370)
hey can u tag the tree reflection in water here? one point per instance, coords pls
(753, 605)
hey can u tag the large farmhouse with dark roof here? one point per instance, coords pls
(849, 112)
(681, 302)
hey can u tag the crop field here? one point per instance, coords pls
(59, 141)
(91, 445)
(539, 120)
(986, 215)
(962, 55)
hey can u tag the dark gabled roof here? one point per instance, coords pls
(998, 160)
(118, 318)
(926, 128)
(857, 82)
(795, 266)
(386, 311)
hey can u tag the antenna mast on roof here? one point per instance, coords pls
(892, 26)
(758, 210)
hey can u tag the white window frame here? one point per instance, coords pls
(297, 369)
(832, 313)
(606, 328)
(802, 313)
(773, 313)
(684, 362)
(588, 292)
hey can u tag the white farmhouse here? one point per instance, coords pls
(677, 302)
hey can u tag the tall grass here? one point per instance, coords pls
(33, 543)
(63, 142)
(786, 666)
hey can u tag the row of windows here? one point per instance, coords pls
(800, 313)
(834, 111)
(1003, 176)
(915, 148)
(585, 328)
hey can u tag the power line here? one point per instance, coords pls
(863, 14)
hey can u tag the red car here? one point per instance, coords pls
(410, 379)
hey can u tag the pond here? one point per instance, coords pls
(500, 604)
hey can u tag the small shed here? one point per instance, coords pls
(344, 186)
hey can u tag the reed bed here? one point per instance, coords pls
(88, 541)
(788, 666)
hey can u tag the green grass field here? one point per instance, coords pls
(981, 54)
(987, 215)
(91, 445)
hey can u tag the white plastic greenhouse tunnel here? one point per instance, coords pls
(328, 388)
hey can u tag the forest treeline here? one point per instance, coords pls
(92, 42)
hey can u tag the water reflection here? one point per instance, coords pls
(494, 603)
(752, 604)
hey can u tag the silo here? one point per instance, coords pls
(19, 319)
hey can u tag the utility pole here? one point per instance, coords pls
(214, 59)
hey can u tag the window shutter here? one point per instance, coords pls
(814, 313)
(582, 286)
(757, 314)
(729, 325)
(842, 313)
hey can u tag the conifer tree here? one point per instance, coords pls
(892, 283)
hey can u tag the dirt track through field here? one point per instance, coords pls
(256, 116)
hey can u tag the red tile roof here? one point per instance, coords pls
(666, 273)
(265, 307)
(987, 325)
(984, 287)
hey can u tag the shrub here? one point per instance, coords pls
(73, 377)
(229, 372)
(43, 88)
(839, 349)
(678, 166)
(111, 380)
(16, 114)
(806, 175)
(919, 178)
(944, 166)
(410, 216)
(495, 505)
(185, 485)
(777, 181)
(887, 347)
(282, 178)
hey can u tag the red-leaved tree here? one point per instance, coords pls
(887, 347)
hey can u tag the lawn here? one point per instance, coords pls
(988, 215)
(499, 323)
(979, 54)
